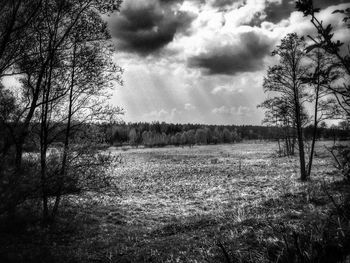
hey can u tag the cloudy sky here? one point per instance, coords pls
(203, 61)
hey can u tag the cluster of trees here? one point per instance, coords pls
(59, 53)
(315, 74)
(190, 137)
(161, 134)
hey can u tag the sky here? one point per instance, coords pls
(203, 61)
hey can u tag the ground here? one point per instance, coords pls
(217, 203)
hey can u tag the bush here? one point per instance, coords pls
(341, 155)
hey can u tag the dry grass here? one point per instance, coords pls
(195, 205)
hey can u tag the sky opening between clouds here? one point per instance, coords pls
(203, 61)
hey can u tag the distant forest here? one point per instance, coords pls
(161, 134)
(158, 134)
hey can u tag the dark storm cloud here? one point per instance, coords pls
(274, 12)
(146, 27)
(246, 56)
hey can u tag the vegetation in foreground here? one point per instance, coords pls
(222, 203)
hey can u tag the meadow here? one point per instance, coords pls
(218, 203)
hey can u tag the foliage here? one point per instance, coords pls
(65, 74)
(325, 40)
(341, 155)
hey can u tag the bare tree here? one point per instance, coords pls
(320, 77)
(48, 78)
(285, 79)
(81, 85)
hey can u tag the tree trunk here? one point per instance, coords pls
(309, 166)
(66, 141)
(298, 124)
(43, 163)
(303, 174)
(44, 133)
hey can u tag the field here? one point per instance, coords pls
(218, 203)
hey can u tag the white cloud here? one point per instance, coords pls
(226, 89)
(189, 107)
(222, 110)
(157, 115)
(162, 115)
(236, 111)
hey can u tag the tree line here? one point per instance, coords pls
(158, 134)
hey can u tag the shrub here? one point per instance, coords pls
(341, 155)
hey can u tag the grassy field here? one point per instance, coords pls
(218, 203)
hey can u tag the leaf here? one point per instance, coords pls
(306, 7)
(328, 29)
